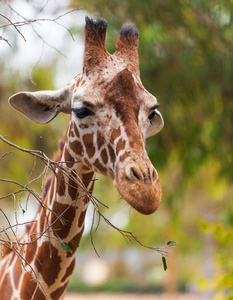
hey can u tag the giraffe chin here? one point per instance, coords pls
(142, 197)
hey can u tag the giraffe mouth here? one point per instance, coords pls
(143, 194)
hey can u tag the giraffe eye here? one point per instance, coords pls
(151, 116)
(82, 112)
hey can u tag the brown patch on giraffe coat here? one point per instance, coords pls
(112, 154)
(120, 145)
(73, 186)
(71, 134)
(87, 177)
(61, 145)
(48, 263)
(61, 186)
(77, 82)
(83, 83)
(59, 292)
(69, 159)
(77, 147)
(6, 290)
(42, 221)
(62, 225)
(100, 167)
(17, 272)
(69, 271)
(76, 239)
(104, 156)
(32, 247)
(100, 140)
(6, 248)
(89, 145)
(115, 134)
(47, 186)
(124, 156)
(76, 130)
(28, 288)
(82, 218)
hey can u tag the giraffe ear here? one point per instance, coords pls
(94, 51)
(127, 48)
(41, 107)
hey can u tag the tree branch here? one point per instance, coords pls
(29, 22)
(17, 245)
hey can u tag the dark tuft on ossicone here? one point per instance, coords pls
(100, 24)
(129, 32)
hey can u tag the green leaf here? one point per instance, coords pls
(74, 243)
(23, 211)
(66, 247)
(164, 263)
(171, 243)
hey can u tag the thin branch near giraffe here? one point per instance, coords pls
(111, 115)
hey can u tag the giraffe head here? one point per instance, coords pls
(112, 114)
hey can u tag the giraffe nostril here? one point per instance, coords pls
(154, 175)
(136, 174)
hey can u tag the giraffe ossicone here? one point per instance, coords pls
(112, 114)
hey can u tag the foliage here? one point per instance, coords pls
(186, 61)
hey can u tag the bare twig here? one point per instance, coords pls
(7, 153)
(11, 24)
(18, 245)
(5, 40)
(67, 173)
(30, 22)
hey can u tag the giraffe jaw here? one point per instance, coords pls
(142, 196)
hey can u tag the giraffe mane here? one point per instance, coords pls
(57, 157)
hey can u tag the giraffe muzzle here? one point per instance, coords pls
(136, 174)
(140, 187)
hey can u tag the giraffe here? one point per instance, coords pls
(111, 115)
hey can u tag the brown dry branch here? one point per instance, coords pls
(11, 24)
(23, 21)
(29, 22)
(16, 244)
(53, 165)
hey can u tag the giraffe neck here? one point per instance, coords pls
(68, 202)
(62, 220)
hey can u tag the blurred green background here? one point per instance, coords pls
(186, 61)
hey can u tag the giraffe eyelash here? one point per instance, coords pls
(82, 112)
(156, 106)
(151, 116)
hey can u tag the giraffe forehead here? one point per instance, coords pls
(127, 95)
(122, 90)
